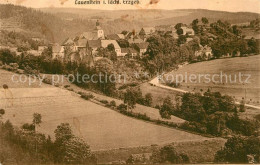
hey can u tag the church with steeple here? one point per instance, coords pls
(96, 33)
(99, 31)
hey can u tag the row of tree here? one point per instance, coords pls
(45, 64)
(211, 113)
(67, 148)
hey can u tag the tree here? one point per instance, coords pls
(210, 104)
(37, 118)
(236, 30)
(253, 45)
(166, 110)
(124, 32)
(111, 47)
(77, 151)
(148, 99)
(204, 20)
(179, 31)
(182, 39)
(178, 26)
(131, 97)
(168, 154)
(216, 123)
(63, 133)
(242, 107)
(195, 26)
(192, 108)
(109, 53)
(71, 149)
(6, 56)
(105, 80)
(227, 103)
(47, 52)
(237, 149)
(2, 112)
(112, 103)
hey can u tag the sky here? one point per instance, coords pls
(223, 5)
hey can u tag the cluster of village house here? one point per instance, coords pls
(84, 47)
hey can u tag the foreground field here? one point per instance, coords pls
(101, 127)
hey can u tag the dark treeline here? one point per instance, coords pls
(164, 52)
(211, 113)
(45, 64)
(45, 25)
(26, 145)
(23, 41)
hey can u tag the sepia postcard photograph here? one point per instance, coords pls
(91, 82)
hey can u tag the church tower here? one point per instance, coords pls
(100, 31)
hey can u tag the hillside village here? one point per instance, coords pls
(85, 47)
(139, 121)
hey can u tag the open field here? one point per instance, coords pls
(230, 67)
(205, 149)
(158, 93)
(101, 127)
(149, 111)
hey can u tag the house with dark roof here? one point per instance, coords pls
(129, 51)
(93, 45)
(136, 39)
(115, 36)
(147, 30)
(141, 48)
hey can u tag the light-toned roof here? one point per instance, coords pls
(132, 50)
(56, 48)
(124, 50)
(68, 41)
(149, 30)
(121, 36)
(89, 35)
(257, 37)
(94, 43)
(105, 43)
(81, 42)
(128, 50)
(187, 29)
(131, 41)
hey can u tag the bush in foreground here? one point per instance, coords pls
(239, 150)
(168, 154)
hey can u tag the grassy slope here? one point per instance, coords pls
(230, 66)
(206, 150)
(101, 127)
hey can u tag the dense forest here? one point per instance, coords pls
(55, 29)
